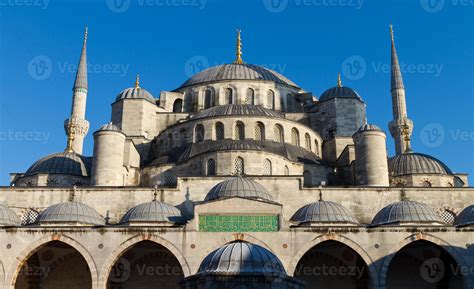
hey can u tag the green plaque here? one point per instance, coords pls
(236, 223)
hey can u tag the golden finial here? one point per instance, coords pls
(320, 195)
(86, 33)
(406, 137)
(70, 137)
(137, 81)
(391, 32)
(238, 52)
(155, 193)
(339, 82)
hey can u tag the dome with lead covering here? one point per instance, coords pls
(369, 127)
(8, 217)
(236, 109)
(239, 258)
(323, 212)
(237, 72)
(109, 127)
(466, 217)
(152, 212)
(70, 213)
(62, 163)
(406, 212)
(238, 187)
(339, 92)
(135, 93)
(416, 163)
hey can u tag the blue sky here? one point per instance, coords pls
(166, 41)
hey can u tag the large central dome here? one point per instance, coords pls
(237, 72)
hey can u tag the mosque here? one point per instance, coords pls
(237, 179)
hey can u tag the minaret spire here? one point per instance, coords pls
(339, 82)
(76, 126)
(401, 127)
(238, 52)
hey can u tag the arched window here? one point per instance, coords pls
(219, 131)
(426, 183)
(259, 131)
(199, 133)
(229, 95)
(267, 167)
(250, 96)
(307, 139)
(178, 105)
(271, 99)
(307, 179)
(316, 147)
(287, 171)
(239, 133)
(239, 166)
(208, 101)
(278, 133)
(211, 167)
(295, 137)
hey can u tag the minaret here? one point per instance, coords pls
(76, 124)
(401, 127)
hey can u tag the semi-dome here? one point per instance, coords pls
(236, 109)
(70, 212)
(407, 212)
(134, 93)
(339, 92)
(240, 258)
(466, 217)
(238, 187)
(109, 127)
(237, 72)
(323, 212)
(62, 163)
(152, 212)
(416, 163)
(8, 217)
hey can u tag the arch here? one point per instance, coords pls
(219, 131)
(259, 131)
(316, 146)
(37, 245)
(239, 131)
(267, 167)
(278, 133)
(270, 99)
(411, 239)
(199, 133)
(341, 239)
(229, 96)
(124, 246)
(250, 96)
(211, 167)
(286, 170)
(295, 137)
(178, 105)
(208, 99)
(307, 140)
(239, 166)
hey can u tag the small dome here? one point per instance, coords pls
(70, 212)
(416, 163)
(242, 258)
(109, 127)
(62, 163)
(135, 92)
(8, 217)
(236, 109)
(339, 92)
(323, 212)
(237, 72)
(406, 212)
(369, 127)
(152, 212)
(466, 217)
(238, 187)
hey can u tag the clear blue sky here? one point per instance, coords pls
(309, 41)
